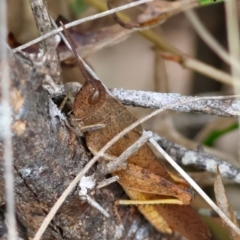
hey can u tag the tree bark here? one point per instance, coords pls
(45, 164)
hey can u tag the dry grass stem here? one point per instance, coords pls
(6, 120)
(208, 70)
(210, 41)
(196, 187)
(231, 8)
(113, 165)
(77, 22)
(233, 37)
(211, 213)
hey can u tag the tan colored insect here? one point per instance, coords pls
(145, 178)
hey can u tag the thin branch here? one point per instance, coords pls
(80, 21)
(42, 20)
(219, 107)
(6, 120)
(44, 26)
(199, 159)
(71, 186)
(196, 187)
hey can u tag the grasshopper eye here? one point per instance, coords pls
(95, 96)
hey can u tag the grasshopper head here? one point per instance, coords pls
(89, 99)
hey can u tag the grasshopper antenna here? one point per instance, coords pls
(85, 73)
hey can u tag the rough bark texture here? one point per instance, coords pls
(44, 165)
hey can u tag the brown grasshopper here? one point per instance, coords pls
(145, 179)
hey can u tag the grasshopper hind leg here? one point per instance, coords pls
(148, 208)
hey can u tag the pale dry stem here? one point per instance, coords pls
(95, 205)
(231, 9)
(211, 213)
(113, 165)
(6, 120)
(77, 22)
(210, 41)
(196, 187)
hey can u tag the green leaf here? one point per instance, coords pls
(214, 135)
(79, 6)
(209, 2)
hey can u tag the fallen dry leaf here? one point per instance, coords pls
(223, 203)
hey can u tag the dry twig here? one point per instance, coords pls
(199, 159)
(219, 107)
